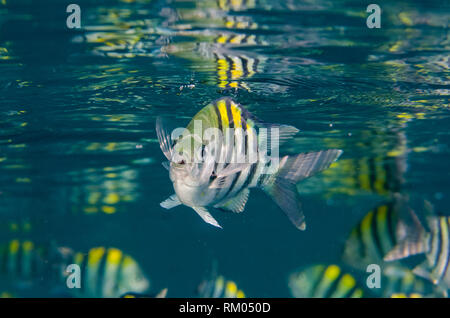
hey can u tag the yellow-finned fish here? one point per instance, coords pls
(324, 281)
(210, 171)
(107, 273)
(373, 237)
(219, 287)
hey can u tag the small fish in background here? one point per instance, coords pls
(399, 279)
(23, 263)
(434, 243)
(106, 273)
(401, 295)
(324, 281)
(225, 185)
(236, 5)
(373, 237)
(232, 68)
(161, 294)
(219, 287)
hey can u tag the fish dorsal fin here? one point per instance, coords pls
(171, 202)
(226, 106)
(237, 203)
(412, 240)
(164, 138)
(206, 216)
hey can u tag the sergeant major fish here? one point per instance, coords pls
(201, 180)
(106, 272)
(324, 281)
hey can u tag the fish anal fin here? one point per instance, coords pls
(423, 271)
(237, 203)
(284, 194)
(171, 202)
(206, 216)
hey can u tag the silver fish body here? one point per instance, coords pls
(218, 172)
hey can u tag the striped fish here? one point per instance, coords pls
(372, 238)
(435, 244)
(322, 281)
(239, 22)
(219, 287)
(21, 260)
(235, 5)
(107, 273)
(232, 69)
(213, 180)
(398, 279)
(236, 39)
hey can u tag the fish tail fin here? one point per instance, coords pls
(412, 238)
(281, 186)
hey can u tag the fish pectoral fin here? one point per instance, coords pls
(237, 203)
(166, 165)
(171, 202)
(165, 140)
(206, 216)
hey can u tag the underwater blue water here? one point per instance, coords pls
(80, 163)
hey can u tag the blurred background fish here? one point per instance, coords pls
(219, 287)
(324, 281)
(106, 273)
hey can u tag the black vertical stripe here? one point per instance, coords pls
(233, 184)
(229, 68)
(83, 272)
(250, 176)
(317, 282)
(101, 275)
(375, 235)
(244, 66)
(118, 275)
(219, 118)
(391, 227)
(231, 122)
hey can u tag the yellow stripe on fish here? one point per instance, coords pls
(219, 287)
(324, 281)
(108, 272)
